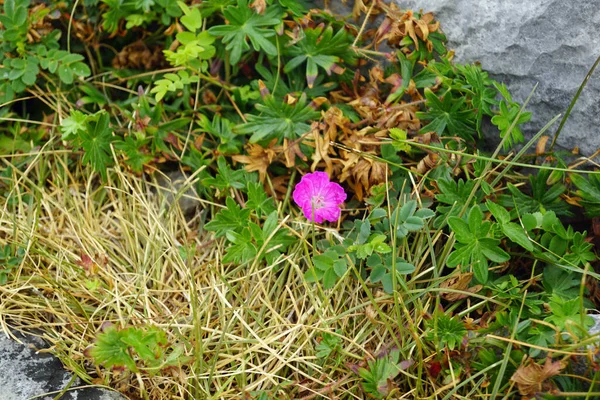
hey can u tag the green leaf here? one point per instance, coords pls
(172, 83)
(221, 129)
(398, 137)
(323, 262)
(506, 117)
(449, 116)
(192, 19)
(377, 273)
(473, 248)
(320, 48)
(532, 221)
(134, 151)
(328, 344)
(489, 248)
(71, 126)
(231, 218)
(245, 24)
(242, 249)
(96, 141)
(111, 351)
(479, 264)
(589, 191)
(445, 331)
(461, 230)
(517, 234)
(498, 212)
(278, 119)
(340, 267)
(408, 210)
(475, 221)
(258, 199)
(192, 53)
(329, 278)
(226, 178)
(405, 268)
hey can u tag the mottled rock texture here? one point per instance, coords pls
(521, 42)
(26, 373)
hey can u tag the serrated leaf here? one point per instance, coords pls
(96, 141)
(231, 218)
(323, 262)
(329, 279)
(111, 351)
(377, 273)
(71, 126)
(246, 25)
(340, 267)
(278, 119)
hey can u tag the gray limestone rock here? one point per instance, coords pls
(521, 43)
(26, 374)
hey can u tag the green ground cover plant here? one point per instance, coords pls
(350, 237)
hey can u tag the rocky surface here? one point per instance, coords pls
(551, 42)
(27, 374)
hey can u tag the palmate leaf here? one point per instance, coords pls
(448, 116)
(589, 191)
(95, 140)
(542, 198)
(292, 83)
(473, 247)
(112, 351)
(229, 219)
(278, 119)
(115, 11)
(484, 94)
(71, 126)
(133, 149)
(513, 231)
(320, 48)
(221, 129)
(506, 117)
(245, 24)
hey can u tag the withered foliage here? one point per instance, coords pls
(138, 55)
(350, 151)
(532, 378)
(41, 23)
(399, 24)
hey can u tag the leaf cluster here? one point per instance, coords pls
(137, 348)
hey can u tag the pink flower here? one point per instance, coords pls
(319, 197)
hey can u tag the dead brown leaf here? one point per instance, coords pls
(259, 6)
(540, 148)
(259, 158)
(460, 282)
(531, 378)
(138, 55)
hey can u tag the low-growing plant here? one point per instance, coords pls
(347, 236)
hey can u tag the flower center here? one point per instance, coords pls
(317, 201)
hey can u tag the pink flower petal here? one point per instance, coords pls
(330, 195)
(330, 214)
(302, 194)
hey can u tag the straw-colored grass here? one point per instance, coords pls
(247, 328)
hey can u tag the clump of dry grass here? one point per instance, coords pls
(246, 328)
